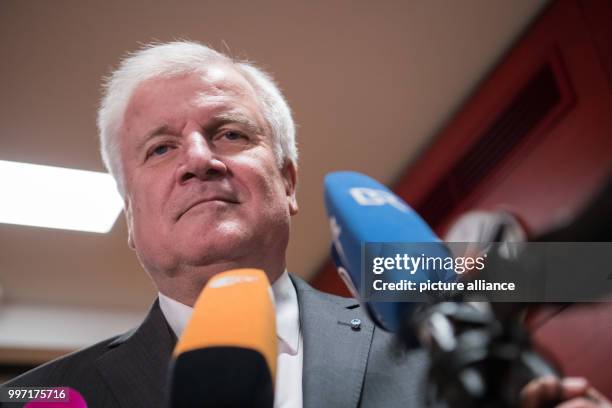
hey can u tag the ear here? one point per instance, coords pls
(289, 174)
(129, 219)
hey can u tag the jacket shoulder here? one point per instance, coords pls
(76, 370)
(302, 286)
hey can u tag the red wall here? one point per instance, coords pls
(535, 139)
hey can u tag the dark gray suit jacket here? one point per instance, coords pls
(343, 367)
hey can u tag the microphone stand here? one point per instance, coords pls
(481, 354)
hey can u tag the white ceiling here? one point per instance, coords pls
(370, 84)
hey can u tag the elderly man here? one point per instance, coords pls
(204, 154)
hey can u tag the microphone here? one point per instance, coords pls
(476, 359)
(74, 400)
(362, 210)
(227, 354)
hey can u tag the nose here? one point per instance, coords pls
(200, 160)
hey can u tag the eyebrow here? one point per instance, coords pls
(163, 129)
(159, 130)
(249, 124)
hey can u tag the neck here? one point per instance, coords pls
(186, 282)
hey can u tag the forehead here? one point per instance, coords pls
(173, 98)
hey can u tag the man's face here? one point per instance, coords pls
(202, 184)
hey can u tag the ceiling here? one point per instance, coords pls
(370, 84)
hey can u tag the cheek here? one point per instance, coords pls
(262, 194)
(275, 201)
(147, 207)
(270, 185)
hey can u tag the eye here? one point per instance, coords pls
(233, 135)
(159, 150)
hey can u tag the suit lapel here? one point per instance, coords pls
(136, 365)
(335, 355)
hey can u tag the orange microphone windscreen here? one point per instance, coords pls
(227, 353)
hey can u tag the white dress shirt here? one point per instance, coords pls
(288, 387)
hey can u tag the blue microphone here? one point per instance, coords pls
(361, 210)
(463, 339)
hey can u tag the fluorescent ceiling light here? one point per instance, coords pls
(55, 197)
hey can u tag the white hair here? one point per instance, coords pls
(177, 58)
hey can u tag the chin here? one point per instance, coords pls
(217, 247)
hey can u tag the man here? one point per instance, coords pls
(203, 151)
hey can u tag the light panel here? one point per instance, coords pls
(56, 197)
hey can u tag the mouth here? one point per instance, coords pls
(210, 200)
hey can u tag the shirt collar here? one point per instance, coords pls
(287, 313)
